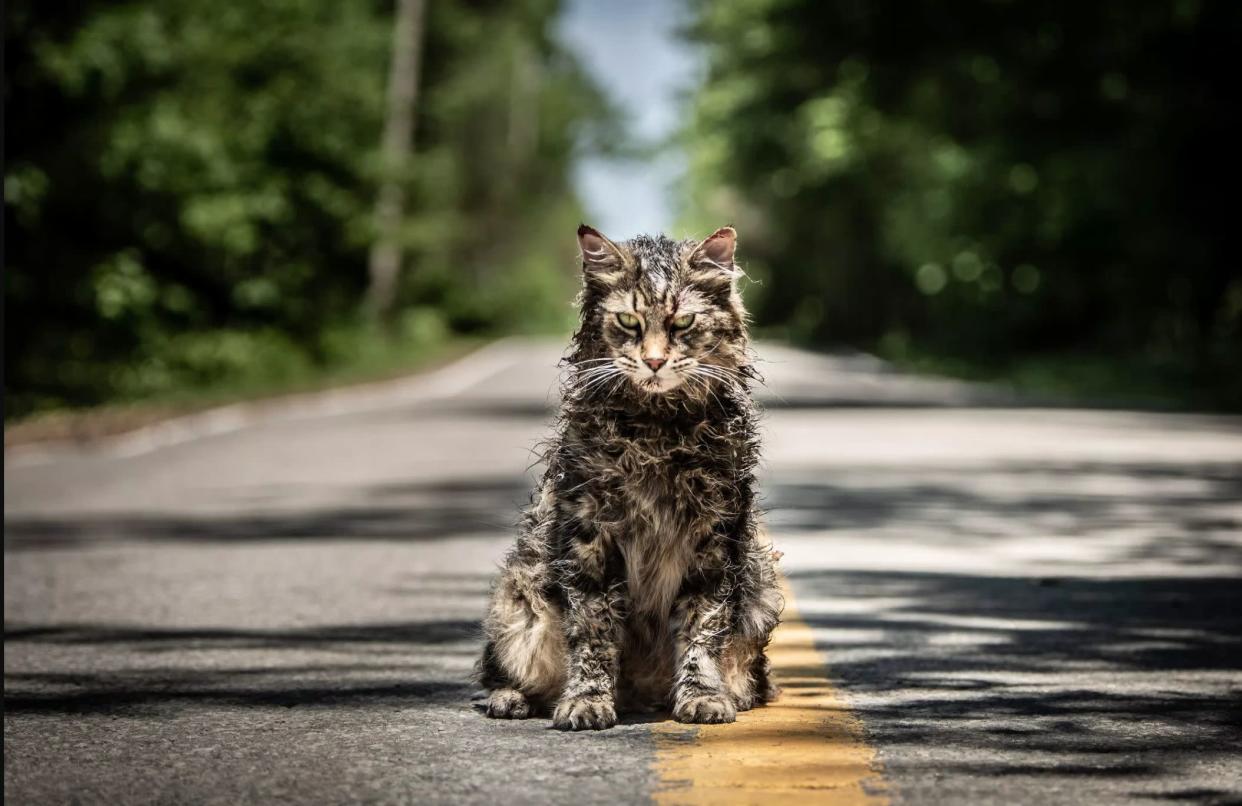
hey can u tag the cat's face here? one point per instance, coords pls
(666, 315)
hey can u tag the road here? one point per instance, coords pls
(267, 604)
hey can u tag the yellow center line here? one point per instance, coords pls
(804, 748)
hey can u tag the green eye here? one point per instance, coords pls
(628, 320)
(684, 321)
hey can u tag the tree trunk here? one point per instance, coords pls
(398, 142)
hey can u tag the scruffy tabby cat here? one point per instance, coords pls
(639, 580)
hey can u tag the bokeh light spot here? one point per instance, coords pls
(1025, 279)
(967, 267)
(1023, 178)
(931, 278)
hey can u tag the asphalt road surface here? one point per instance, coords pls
(270, 604)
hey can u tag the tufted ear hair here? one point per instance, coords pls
(712, 260)
(716, 251)
(601, 258)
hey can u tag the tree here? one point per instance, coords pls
(385, 261)
(191, 186)
(1005, 180)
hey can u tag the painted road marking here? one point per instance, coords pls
(805, 748)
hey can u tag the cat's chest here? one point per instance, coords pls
(657, 498)
(665, 519)
(654, 570)
(663, 470)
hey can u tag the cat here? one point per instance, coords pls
(640, 580)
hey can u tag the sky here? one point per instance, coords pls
(632, 50)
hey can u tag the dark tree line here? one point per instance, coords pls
(990, 180)
(190, 185)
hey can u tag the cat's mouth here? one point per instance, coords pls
(657, 384)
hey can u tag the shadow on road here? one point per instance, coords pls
(401, 654)
(1183, 514)
(985, 674)
(1018, 676)
(1185, 508)
(133, 694)
(484, 507)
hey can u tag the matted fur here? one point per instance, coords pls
(639, 579)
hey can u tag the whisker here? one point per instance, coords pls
(748, 372)
(716, 372)
(702, 380)
(722, 373)
(588, 375)
(722, 368)
(595, 379)
(599, 376)
(599, 380)
(592, 370)
(593, 364)
(707, 372)
(582, 373)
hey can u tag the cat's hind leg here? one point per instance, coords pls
(765, 688)
(745, 668)
(735, 668)
(523, 662)
(507, 703)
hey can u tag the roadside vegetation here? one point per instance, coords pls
(1030, 192)
(1027, 193)
(190, 188)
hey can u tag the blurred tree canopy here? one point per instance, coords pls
(190, 185)
(988, 179)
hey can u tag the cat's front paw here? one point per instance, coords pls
(705, 709)
(585, 713)
(507, 703)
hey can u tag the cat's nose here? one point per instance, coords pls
(655, 363)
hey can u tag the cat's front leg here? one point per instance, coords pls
(593, 624)
(702, 625)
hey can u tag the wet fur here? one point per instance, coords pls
(639, 580)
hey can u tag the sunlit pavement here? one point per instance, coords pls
(1019, 605)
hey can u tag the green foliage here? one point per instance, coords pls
(989, 181)
(190, 186)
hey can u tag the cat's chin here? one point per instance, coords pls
(656, 386)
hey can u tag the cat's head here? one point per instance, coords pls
(660, 317)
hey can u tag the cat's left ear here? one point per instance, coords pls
(713, 258)
(601, 258)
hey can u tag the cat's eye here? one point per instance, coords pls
(628, 320)
(684, 321)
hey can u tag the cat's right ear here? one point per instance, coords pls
(602, 260)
